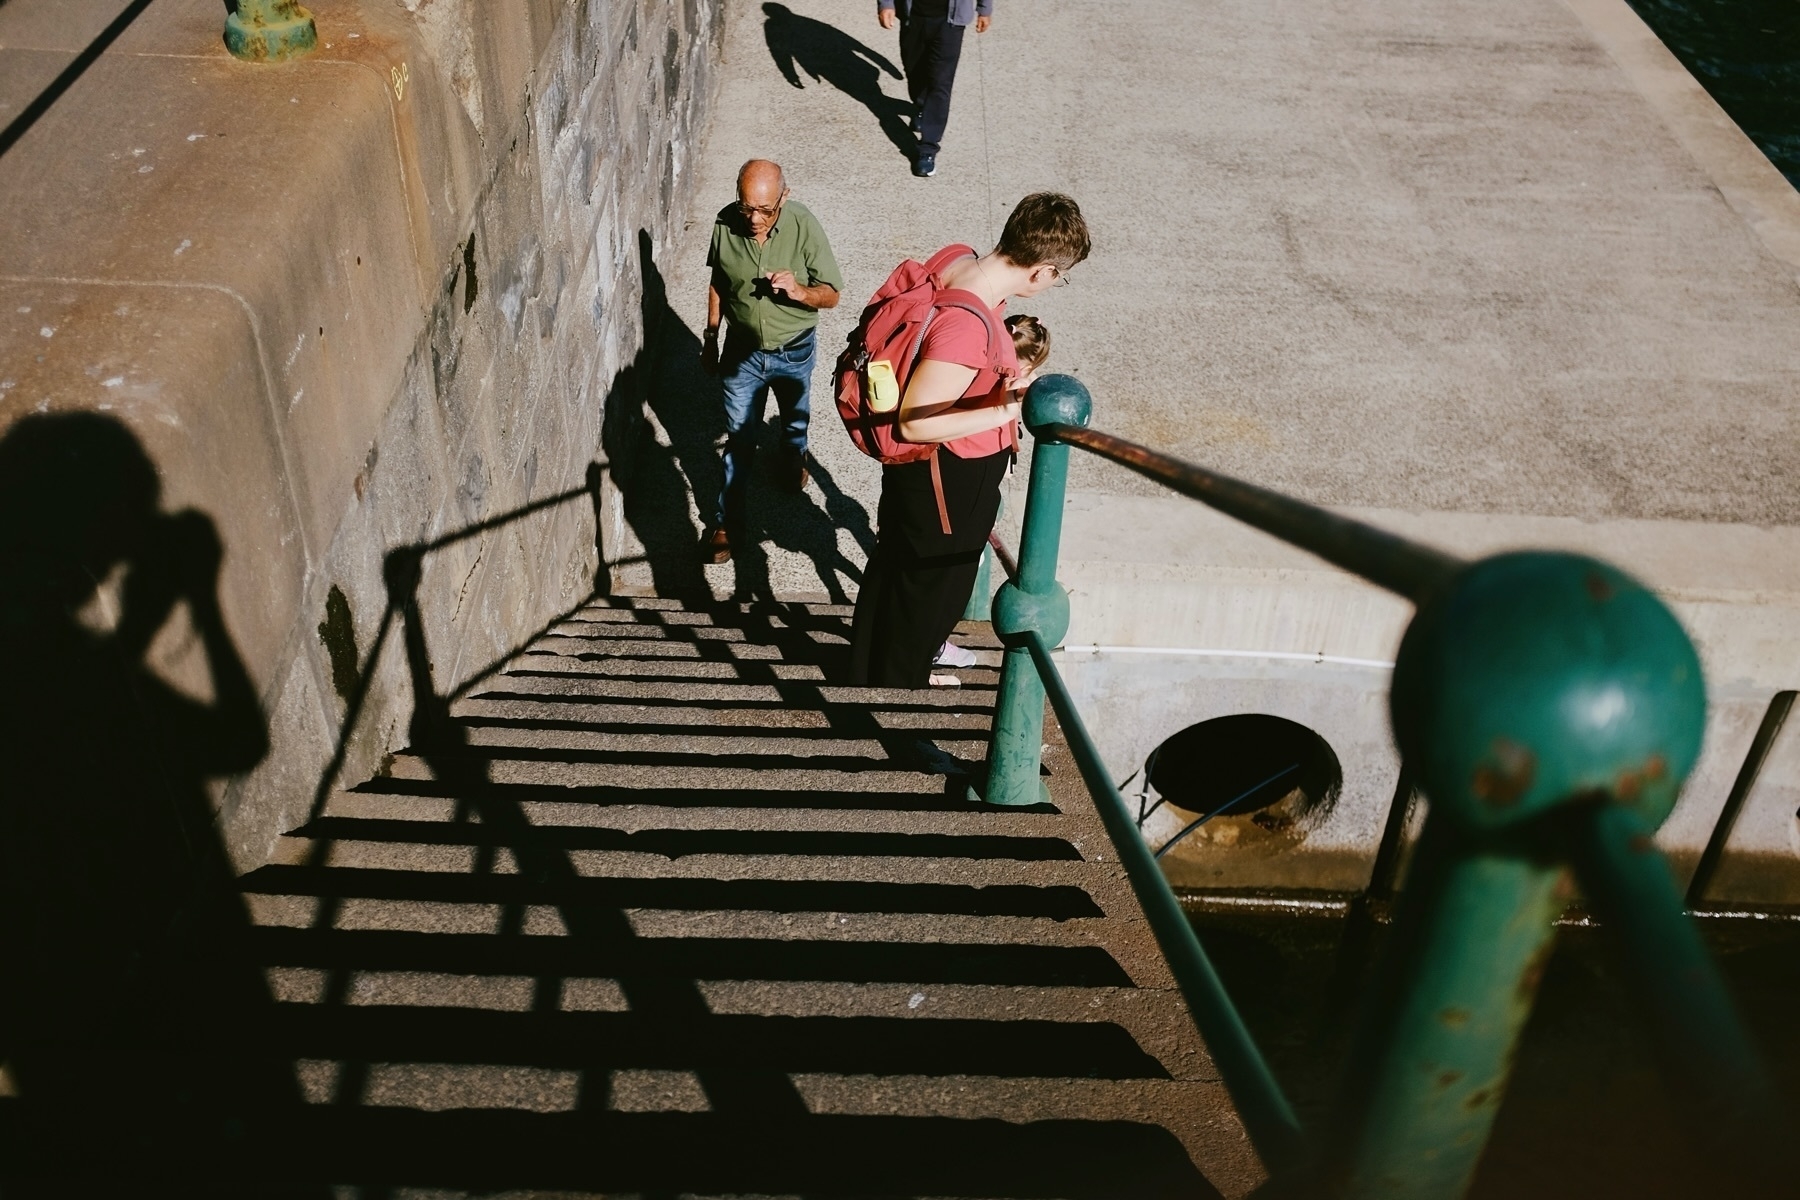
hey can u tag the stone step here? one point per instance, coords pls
(823, 808)
(775, 777)
(673, 1039)
(517, 812)
(619, 953)
(598, 1142)
(743, 863)
(747, 661)
(579, 881)
(718, 685)
(577, 632)
(499, 709)
(779, 748)
(722, 840)
(732, 610)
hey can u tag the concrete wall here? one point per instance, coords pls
(347, 304)
(1180, 615)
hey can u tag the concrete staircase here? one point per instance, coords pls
(657, 911)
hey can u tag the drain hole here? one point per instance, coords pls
(1249, 778)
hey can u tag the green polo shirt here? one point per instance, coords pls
(797, 244)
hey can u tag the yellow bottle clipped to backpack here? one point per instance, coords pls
(884, 388)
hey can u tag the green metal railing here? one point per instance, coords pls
(270, 30)
(1549, 707)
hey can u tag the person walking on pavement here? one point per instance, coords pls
(931, 38)
(772, 271)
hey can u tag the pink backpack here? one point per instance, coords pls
(891, 331)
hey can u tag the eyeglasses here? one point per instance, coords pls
(1062, 276)
(752, 210)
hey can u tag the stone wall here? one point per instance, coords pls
(373, 299)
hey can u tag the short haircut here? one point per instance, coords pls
(1031, 341)
(1045, 227)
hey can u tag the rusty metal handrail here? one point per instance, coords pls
(1383, 558)
(1549, 707)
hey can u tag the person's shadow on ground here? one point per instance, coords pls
(828, 54)
(134, 1026)
(796, 523)
(655, 480)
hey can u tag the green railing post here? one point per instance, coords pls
(269, 30)
(1034, 601)
(1528, 687)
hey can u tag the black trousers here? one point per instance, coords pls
(930, 48)
(919, 580)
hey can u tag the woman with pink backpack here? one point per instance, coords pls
(925, 386)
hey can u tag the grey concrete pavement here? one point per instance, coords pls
(1494, 274)
(1444, 257)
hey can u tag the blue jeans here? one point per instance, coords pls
(748, 375)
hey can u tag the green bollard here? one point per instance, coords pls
(270, 30)
(1528, 685)
(1034, 601)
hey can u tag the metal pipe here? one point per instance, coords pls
(1774, 717)
(1720, 1077)
(270, 30)
(1531, 686)
(1268, 1117)
(1384, 559)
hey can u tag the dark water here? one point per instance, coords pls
(1747, 54)
(1587, 1114)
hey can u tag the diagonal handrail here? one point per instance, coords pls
(1383, 558)
(1264, 1108)
(1548, 706)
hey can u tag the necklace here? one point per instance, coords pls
(985, 277)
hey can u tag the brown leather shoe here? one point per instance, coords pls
(796, 477)
(715, 546)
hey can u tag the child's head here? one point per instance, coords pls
(1031, 341)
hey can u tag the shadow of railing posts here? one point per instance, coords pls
(464, 770)
(403, 571)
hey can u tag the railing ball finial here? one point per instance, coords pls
(270, 30)
(1532, 678)
(1056, 400)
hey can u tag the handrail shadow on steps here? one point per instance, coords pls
(1548, 706)
(402, 572)
(757, 1122)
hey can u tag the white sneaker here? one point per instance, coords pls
(952, 655)
(941, 679)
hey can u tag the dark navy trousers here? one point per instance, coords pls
(930, 48)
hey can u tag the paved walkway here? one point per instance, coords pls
(1444, 256)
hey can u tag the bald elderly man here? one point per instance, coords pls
(772, 271)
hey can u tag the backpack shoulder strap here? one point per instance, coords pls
(946, 256)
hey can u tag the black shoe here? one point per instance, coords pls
(925, 166)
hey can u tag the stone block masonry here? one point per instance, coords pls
(365, 300)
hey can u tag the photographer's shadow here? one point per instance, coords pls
(133, 1026)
